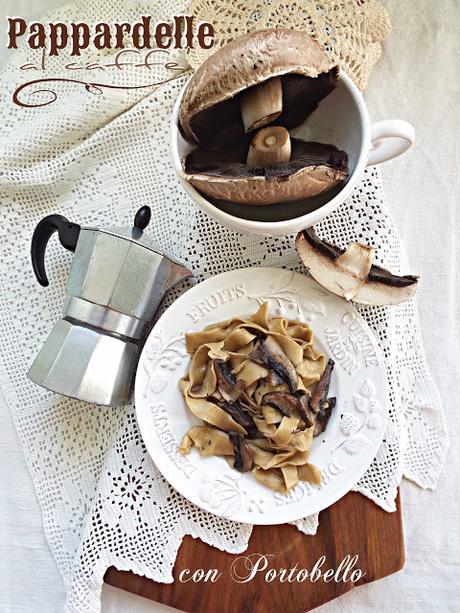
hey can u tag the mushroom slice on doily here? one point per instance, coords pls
(382, 287)
(350, 273)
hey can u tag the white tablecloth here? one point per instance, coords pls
(417, 79)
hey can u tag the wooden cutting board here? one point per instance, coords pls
(352, 526)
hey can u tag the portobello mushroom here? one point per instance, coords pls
(282, 401)
(269, 352)
(270, 81)
(273, 378)
(350, 273)
(274, 75)
(324, 415)
(233, 174)
(243, 454)
(319, 396)
(227, 383)
(286, 403)
(242, 417)
(303, 406)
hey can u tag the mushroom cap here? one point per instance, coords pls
(248, 61)
(313, 168)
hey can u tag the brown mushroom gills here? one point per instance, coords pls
(314, 168)
(231, 161)
(222, 124)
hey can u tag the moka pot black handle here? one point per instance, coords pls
(68, 235)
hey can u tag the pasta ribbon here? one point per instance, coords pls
(248, 428)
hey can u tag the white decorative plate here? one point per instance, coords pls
(343, 452)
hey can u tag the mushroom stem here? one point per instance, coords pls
(269, 147)
(262, 104)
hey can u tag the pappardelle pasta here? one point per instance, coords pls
(261, 388)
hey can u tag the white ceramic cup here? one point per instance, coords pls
(340, 119)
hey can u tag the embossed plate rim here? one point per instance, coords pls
(209, 482)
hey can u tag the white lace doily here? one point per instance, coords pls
(97, 159)
(350, 30)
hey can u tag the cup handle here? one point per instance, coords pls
(389, 138)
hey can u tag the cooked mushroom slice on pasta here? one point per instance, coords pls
(284, 402)
(228, 385)
(303, 406)
(269, 352)
(242, 417)
(273, 378)
(322, 389)
(324, 415)
(243, 455)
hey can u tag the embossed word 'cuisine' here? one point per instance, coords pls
(183, 32)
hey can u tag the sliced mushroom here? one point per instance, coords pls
(322, 388)
(350, 273)
(303, 406)
(284, 402)
(238, 414)
(227, 383)
(269, 352)
(382, 287)
(238, 86)
(324, 415)
(273, 378)
(243, 454)
(313, 168)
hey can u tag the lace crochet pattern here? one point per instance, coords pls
(350, 30)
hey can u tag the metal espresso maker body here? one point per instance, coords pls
(116, 282)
